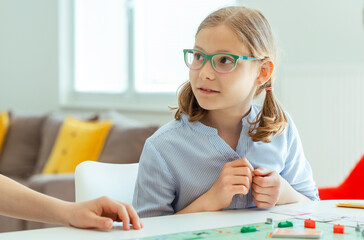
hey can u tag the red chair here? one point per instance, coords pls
(351, 188)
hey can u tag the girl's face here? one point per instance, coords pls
(224, 91)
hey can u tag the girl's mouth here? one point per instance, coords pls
(207, 91)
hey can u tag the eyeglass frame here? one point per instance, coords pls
(210, 56)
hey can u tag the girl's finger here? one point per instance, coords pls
(261, 204)
(265, 181)
(241, 180)
(239, 189)
(242, 162)
(263, 190)
(262, 171)
(263, 197)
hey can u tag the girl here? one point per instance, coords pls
(221, 151)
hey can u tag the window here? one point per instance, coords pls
(100, 46)
(127, 53)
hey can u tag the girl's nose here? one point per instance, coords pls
(207, 71)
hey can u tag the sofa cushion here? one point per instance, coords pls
(125, 145)
(77, 141)
(121, 120)
(49, 133)
(8, 224)
(21, 146)
(4, 125)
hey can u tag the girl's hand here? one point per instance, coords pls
(266, 187)
(235, 178)
(100, 213)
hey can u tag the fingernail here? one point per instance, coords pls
(108, 223)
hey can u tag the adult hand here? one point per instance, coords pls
(235, 178)
(266, 187)
(100, 213)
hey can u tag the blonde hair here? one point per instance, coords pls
(254, 30)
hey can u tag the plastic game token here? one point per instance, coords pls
(285, 224)
(310, 223)
(269, 221)
(338, 228)
(247, 229)
(357, 228)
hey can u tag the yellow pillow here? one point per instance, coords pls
(4, 125)
(77, 141)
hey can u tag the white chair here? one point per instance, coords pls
(96, 179)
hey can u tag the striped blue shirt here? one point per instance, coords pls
(182, 160)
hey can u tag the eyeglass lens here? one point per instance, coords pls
(221, 62)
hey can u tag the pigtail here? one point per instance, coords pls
(187, 103)
(270, 121)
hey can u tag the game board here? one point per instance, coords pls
(263, 231)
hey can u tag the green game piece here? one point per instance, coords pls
(247, 229)
(285, 224)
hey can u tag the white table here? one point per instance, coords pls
(183, 223)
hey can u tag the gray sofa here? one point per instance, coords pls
(29, 142)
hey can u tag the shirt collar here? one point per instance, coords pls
(200, 127)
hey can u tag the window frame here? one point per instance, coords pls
(129, 100)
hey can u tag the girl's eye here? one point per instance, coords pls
(226, 60)
(198, 56)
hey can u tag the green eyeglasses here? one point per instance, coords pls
(220, 62)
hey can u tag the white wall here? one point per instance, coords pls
(316, 32)
(313, 36)
(28, 55)
(320, 78)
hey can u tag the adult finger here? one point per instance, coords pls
(96, 221)
(135, 220)
(124, 216)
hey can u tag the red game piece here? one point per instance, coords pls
(310, 223)
(338, 228)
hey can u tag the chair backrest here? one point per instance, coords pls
(96, 179)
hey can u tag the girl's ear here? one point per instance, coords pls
(266, 71)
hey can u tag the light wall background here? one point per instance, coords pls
(320, 72)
